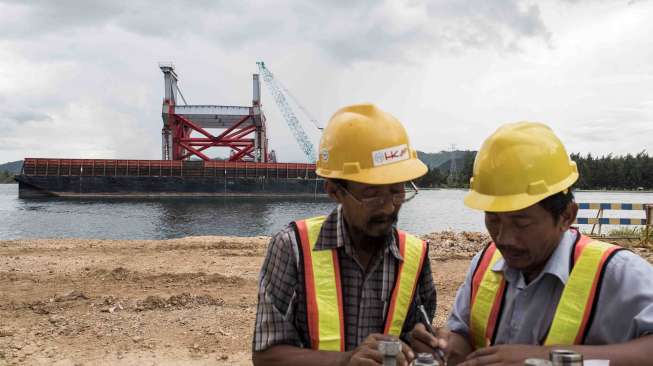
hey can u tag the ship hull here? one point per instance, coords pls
(64, 178)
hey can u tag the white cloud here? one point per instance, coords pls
(79, 78)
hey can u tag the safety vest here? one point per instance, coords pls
(574, 309)
(326, 326)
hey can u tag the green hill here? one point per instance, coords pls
(8, 170)
(439, 165)
(13, 167)
(442, 160)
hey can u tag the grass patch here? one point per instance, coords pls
(628, 236)
(635, 232)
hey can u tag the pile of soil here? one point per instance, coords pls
(447, 245)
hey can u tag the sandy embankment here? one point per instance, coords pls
(184, 301)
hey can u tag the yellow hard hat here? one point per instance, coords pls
(519, 165)
(364, 144)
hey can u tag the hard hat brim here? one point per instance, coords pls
(515, 202)
(398, 172)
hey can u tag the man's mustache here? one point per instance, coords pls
(384, 218)
(510, 249)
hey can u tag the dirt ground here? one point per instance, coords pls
(184, 301)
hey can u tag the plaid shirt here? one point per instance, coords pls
(281, 312)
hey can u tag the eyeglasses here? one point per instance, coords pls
(378, 201)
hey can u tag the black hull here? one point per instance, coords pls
(35, 186)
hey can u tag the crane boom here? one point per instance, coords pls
(291, 119)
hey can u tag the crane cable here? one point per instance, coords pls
(301, 107)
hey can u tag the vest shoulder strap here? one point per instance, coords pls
(580, 295)
(323, 289)
(486, 297)
(414, 251)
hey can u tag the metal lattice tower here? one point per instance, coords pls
(452, 164)
(453, 169)
(291, 119)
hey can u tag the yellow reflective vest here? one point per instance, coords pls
(573, 313)
(326, 326)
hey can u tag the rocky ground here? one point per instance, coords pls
(183, 301)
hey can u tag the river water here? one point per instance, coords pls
(431, 210)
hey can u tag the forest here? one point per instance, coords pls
(606, 172)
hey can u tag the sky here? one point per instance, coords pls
(80, 79)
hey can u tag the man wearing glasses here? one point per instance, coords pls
(333, 289)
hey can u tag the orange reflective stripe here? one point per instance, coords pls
(341, 315)
(487, 292)
(413, 251)
(309, 281)
(580, 245)
(323, 289)
(578, 297)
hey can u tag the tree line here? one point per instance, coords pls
(6, 177)
(623, 172)
(628, 172)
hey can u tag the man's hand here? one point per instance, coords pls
(367, 353)
(424, 342)
(509, 354)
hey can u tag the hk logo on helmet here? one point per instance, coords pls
(390, 155)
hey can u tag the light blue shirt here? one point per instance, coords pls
(624, 310)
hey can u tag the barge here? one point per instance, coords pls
(100, 178)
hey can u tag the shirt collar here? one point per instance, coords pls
(335, 224)
(557, 265)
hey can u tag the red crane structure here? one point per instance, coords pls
(185, 127)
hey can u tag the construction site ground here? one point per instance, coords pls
(183, 301)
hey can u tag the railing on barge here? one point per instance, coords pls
(165, 168)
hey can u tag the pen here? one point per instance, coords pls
(429, 328)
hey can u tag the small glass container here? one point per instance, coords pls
(425, 359)
(563, 357)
